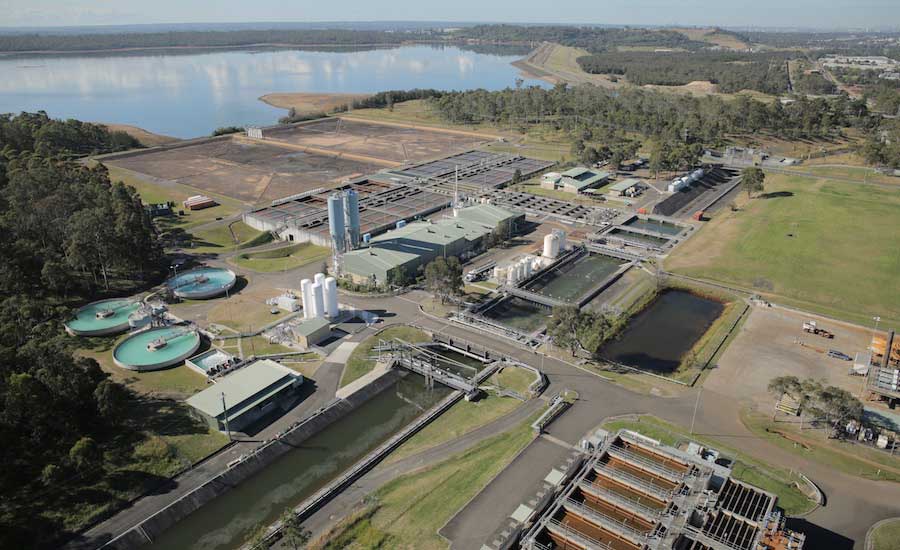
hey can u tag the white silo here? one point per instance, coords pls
(551, 246)
(319, 278)
(318, 299)
(331, 298)
(306, 296)
(511, 275)
(562, 239)
(526, 267)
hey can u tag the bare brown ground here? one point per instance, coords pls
(698, 87)
(310, 103)
(147, 139)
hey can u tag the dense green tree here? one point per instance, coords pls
(443, 277)
(753, 180)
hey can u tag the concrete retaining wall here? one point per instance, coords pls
(155, 525)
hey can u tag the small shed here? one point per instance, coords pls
(311, 331)
(627, 188)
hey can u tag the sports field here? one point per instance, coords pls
(819, 245)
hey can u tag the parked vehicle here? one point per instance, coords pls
(839, 355)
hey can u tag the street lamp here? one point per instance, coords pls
(174, 267)
(877, 320)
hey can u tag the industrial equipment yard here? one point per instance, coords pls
(655, 313)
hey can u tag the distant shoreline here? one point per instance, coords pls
(13, 53)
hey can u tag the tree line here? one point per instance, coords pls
(593, 39)
(201, 39)
(731, 71)
(66, 233)
(707, 120)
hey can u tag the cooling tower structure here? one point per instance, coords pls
(306, 296)
(331, 298)
(351, 211)
(336, 226)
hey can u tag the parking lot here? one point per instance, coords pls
(772, 343)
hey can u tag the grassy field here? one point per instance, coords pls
(219, 238)
(514, 378)
(462, 418)
(887, 536)
(852, 459)
(246, 311)
(359, 363)
(283, 258)
(154, 193)
(823, 246)
(174, 383)
(258, 345)
(408, 512)
(747, 469)
(856, 173)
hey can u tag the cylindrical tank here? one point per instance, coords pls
(511, 275)
(319, 278)
(551, 246)
(562, 240)
(526, 267)
(331, 298)
(336, 221)
(318, 299)
(351, 210)
(306, 296)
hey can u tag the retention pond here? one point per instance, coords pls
(657, 338)
(657, 226)
(229, 520)
(519, 314)
(574, 279)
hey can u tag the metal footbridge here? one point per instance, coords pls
(424, 361)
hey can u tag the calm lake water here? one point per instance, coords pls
(189, 95)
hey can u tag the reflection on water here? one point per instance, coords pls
(188, 95)
(658, 337)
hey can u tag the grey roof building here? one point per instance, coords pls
(251, 392)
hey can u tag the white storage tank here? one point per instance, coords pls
(319, 279)
(318, 299)
(511, 275)
(526, 268)
(331, 298)
(306, 296)
(551, 246)
(563, 245)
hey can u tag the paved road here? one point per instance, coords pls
(853, 503)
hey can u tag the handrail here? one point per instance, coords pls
(605, 520)
(615, 498)
(641, 484)
(646, 462)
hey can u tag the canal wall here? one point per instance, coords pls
(248, 465)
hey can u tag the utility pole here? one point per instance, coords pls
(225, 416)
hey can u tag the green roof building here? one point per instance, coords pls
(414, 245)
(577, 180)
(251, 392)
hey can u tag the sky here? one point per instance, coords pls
(735, 13)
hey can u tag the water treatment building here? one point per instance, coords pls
(405, 249)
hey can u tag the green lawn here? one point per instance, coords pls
(359, 363)
(887, 536)
(748, 469)
(824, 246)
(219, 238)
(846, 457)
(408, 512)
(460, 419)
(152, 193)
(258, 345)
(282, 258)
(177, 382)
(514, 378)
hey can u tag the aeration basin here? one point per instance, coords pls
(102, 318)
(202, 283)
(156, 348)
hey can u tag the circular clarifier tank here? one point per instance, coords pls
(201, 283)
(102, 318)
(156, 348)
